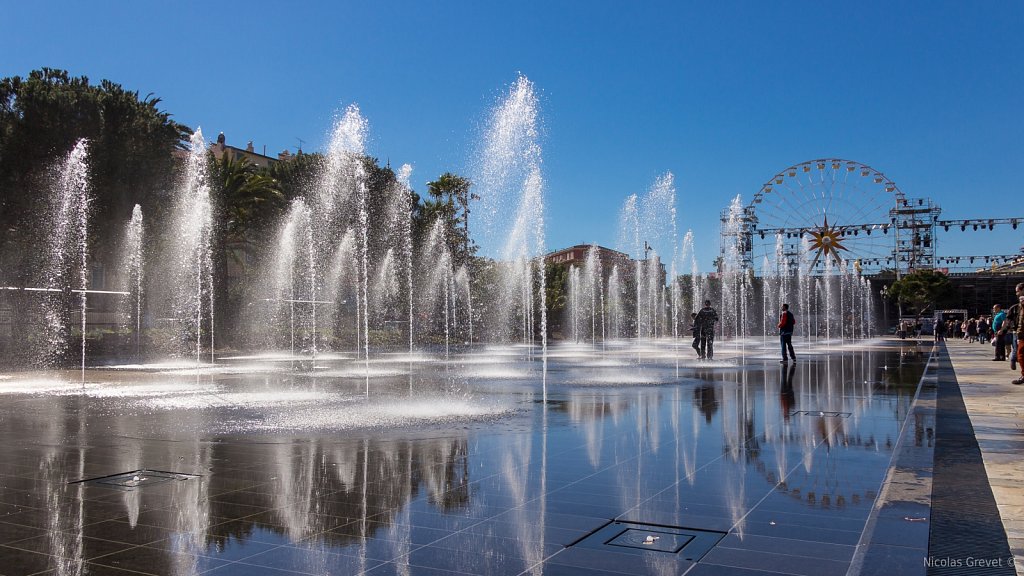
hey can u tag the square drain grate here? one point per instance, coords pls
(136, 479)
(636, 537)
(651, 540)
(824, 414)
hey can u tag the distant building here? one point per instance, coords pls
(220, 148)
(577, 256)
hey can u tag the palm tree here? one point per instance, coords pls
(247, 197)
(449, 191)
(247, 200)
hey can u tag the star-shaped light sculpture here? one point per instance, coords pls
(827, 241)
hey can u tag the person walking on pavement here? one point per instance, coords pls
(705, 324)
(1020, 335)
(786, 323)
(999, 341)
(1009, 330)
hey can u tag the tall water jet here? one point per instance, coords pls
(192, 257)
(463, 285)
(696, 285)
(767, 295)
(342, 285)
(658, 215)
(340, 204)
(616, 308)
(805, 285)
(647, 230)
(512, 213)
(574, 302)
(405, 204)
(593, 272)
(66, 271)
(133, 272)
(629, 241)
(385, 286)
(830, 306)
(733, 271)
(435, 293)
(293, 276)
(586, 298)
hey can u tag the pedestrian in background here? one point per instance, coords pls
(1009, 330)
(1020, 333)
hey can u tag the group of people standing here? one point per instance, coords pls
(1006, 330)
(703, 329)
(972, 329)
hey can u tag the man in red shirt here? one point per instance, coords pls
(786, 323)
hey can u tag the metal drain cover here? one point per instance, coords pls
(824, 414)
(636, 538)
(651, 540)
(136, 479)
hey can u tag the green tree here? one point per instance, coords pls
(247, 200)
(297, 175)
(922, 290)
(556, 287)
(450, 196)
(131, 149)
(247, 197)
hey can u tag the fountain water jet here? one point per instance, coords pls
(67, 254)
(512, 213)
(134, 267)
(191, 272)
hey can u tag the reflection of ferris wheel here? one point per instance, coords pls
(821, 213)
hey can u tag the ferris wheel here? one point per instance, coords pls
(823, 213)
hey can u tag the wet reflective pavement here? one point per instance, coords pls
(481, 466)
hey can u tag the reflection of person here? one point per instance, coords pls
(704, 398)
(786, 323)
(705, 324)
(786, 396)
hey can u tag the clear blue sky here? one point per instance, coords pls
(723, 94)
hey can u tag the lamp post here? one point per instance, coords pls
(884, 293)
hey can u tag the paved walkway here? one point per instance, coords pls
(996, 409)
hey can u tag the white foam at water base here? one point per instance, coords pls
(104, 389)
(149, 390)
(43, 386)
(616, 377)
(179, 368)
(286, 357)
(496, 372)
(252, 400)
(384, 413)
(360, 371)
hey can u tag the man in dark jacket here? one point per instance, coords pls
(786, 323)
(705, 325)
